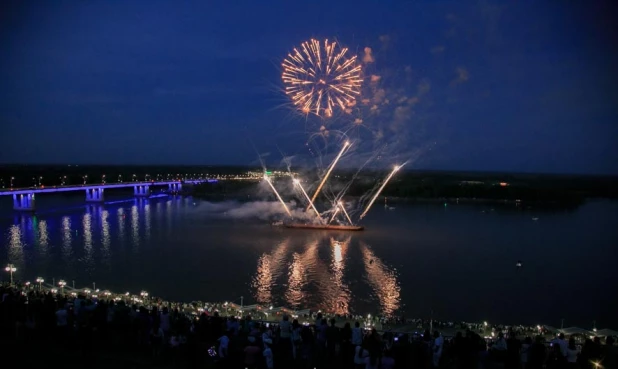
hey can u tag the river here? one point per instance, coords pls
(457, 260)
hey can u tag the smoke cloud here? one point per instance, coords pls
(368, 56)
(263, 210)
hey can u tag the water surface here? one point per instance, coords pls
(457, 260)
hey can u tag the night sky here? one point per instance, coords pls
(457, 85)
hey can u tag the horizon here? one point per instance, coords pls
(406, 168)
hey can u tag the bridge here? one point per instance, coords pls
(24, 197)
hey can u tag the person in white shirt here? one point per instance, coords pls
(165, 320)
(285, 328)
(500, 344)
(572, 351)
(224, 343)
(360, 356)
(268, 355)
(524, 351)
(62, 316)
(266, 338)
(438, 344)
(562, 342)
(357, 334)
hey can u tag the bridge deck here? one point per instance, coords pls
(50, 189)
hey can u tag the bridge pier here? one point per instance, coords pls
(94, 194)
(24, 202)
(174, 187)
(141, 191)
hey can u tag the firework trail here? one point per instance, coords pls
(277, 193)
(330, 169)
(334, 215)
(345, 212)
(395, 170)
(360, 169)
(319, 78)
(297, 182)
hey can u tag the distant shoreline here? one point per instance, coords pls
(432, 200)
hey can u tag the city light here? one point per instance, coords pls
(10, 268)
(40, 281)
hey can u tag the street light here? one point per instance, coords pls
(11, 269)
(62, 283)
(40, 281)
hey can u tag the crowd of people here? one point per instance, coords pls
(166, 336)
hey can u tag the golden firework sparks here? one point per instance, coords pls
(319, 77)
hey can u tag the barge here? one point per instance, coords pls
(327, 227)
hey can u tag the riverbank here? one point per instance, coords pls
(273, 315)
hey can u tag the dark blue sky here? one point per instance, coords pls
(475, 85)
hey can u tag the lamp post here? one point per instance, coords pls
(61, 284)
(11, 269)
(40, 281)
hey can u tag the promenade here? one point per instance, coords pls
(139, 330)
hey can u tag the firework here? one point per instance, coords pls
(345, 212)
(277, 194)
(297, 182)
(318, 77)
(397, 167)
(330, 169)
(334, 215)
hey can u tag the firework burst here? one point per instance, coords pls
(319, 78)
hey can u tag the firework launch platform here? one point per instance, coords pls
(326, 227)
